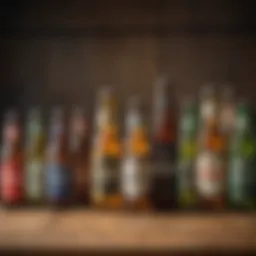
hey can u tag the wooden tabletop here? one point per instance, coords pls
(89, 230)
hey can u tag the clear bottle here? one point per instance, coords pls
(106, 153)
(35, 157)
(79, 153)
(135, 177)
(58, 170)
(187, 154)
(11, 179)
(242, 175)
(163, 192)
(211, 167)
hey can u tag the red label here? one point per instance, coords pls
(11, 182)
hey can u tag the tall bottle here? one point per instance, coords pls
(35, 157)
(164, 147)
(106, 153)
(242, 174)
(211, 164)
(187, 154)
(58, 171)
(79, 151)
(11, 178)
(135, 178)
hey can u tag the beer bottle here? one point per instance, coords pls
(58, 171)
(79, 151)
(11, 179)
(135, 177)
(35, 157)
(242, 175)
(211, 166)
(106, 153)
(187, 154)
(164, 147)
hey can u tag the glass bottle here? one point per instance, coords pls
(106, 153)
(79, 151)
(135, 177)
(35, 157)
(164, 147)
(11, 178)
(187, 154)
(58, 171)
(211, 167)
(242, 174)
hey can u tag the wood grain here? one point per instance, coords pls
(90, 230)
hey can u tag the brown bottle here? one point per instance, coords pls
(163, 191)
(79, 153)
(11, 180)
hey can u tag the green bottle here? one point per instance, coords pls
(34, 164)
(242, 173)
(186, 154)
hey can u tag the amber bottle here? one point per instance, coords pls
(106, 154)
(79, 155)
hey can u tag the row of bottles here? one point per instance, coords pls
(202, 158)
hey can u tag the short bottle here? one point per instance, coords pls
(11, 178)
(58, 170)
(136, 174)
(35, 158)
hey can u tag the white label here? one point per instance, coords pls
(209, 175)
(34, 179)
(208, 110)
(134, 179)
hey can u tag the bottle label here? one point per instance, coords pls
(34, 179)
(11, 189)
(186, 177)
(208, 110)
(210, 180)
(58, 178)
(105, 176)
(134, 179)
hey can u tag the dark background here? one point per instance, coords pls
(60, 52)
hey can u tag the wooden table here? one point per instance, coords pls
(101, 231)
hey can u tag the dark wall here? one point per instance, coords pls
(62, 51)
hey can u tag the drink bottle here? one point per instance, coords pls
(242, 174)
(79, 154)
(106, 153)
(187, 151)
(58, 170)
(135, 176)
(163, 192)
(35, 157)
(11, 171)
